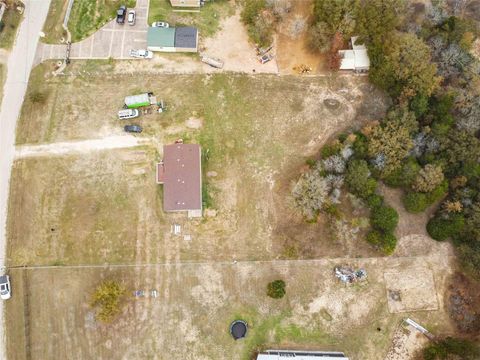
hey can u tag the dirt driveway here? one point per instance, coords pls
(112, 40)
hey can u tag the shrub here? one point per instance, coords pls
(331, 149)
(451, 348)
(107, 299)
(276, 289)
(374, 200)
(384, 218)
(386, 242)
(415, 202)
(38, 97)
(251, 10)
(311, 194)
(358, 179)
(360, 146)
(441, 228)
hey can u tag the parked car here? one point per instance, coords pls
(161, 24)
(128, 114)
(121, 13)
(5, 291)
(265, 58)
(145, 54)
(131, 17)
(133, 128)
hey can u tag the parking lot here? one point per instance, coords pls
(112, 40)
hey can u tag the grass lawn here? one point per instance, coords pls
(89, 15)
(253, 139)
(53, 27)
(11, 19)
(207, 20)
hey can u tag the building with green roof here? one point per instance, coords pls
(161, 39)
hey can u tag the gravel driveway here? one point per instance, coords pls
(112, 40)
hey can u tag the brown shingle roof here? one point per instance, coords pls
(182, 177)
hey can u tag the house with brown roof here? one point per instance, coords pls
(180, 172)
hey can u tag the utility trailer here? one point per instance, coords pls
(136, 101)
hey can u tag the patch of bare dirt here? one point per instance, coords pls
(232, 45)
(292, 40)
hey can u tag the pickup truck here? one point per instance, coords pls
(143, 54)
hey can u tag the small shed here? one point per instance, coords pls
(161, 39)
(186, 3)
(355, 59)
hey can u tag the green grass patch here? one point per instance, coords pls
(207, 20)
(9, 26)
(53, 27)
(88, 16)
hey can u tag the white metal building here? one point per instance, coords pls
(355, 59)
(301, 355)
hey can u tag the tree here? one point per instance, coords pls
(392, 141)
(276, 289)
(376, 18)
(107, 299)
(451, 348)
(319, 37)
(311, 194)
(337, 15)
(384, 218)
(359, 180)
(402, 66)
(428, 178)
(460, 149)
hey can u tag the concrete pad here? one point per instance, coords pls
(117, 44)
(101, 44)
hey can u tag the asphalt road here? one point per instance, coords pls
(18, 70)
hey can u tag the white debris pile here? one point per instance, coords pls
(348, 275)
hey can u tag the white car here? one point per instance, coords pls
(144, 54)
(5, 291)
(131, 17)
(161, 24)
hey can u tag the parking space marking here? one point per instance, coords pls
(91, 45)
(123, 30)
(111, 44)
(123, 43)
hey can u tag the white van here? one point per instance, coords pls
(128, 114)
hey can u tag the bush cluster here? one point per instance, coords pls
(276, 289)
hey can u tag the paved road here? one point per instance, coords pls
(19, 66)
(112, 40)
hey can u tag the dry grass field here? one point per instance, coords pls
(101, 211)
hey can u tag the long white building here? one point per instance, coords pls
(301, 355)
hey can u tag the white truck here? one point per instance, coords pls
(141, 54)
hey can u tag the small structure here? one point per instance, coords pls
(186, 3)
(213, 62)
(238, 329)
(178, 39)
(301, 355)
(355, 59)
(136, 101)
(180, 172)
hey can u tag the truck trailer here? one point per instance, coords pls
(136, 101)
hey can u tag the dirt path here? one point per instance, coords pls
(64, 148)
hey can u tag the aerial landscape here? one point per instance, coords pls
(240, 179)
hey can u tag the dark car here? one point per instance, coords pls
(133, 128)
(121, 14)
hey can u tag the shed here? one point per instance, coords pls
(355, 59)
(161, 39)
(186, 3)
(301, 355)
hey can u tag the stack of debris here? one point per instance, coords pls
(349, 275)
(302, 69)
